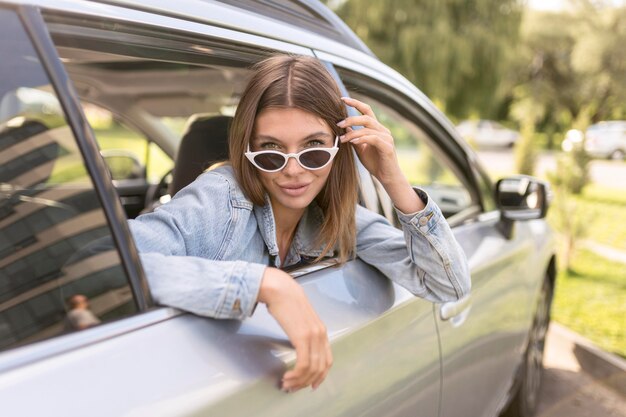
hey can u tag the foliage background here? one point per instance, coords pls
(498, 59)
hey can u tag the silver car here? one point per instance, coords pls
(487, 134)
(108, 107)
(601, 140)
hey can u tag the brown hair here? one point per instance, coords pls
(288, 81)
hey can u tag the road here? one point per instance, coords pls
(567, 391)
(607, 173)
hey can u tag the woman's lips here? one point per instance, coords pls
(294, 190)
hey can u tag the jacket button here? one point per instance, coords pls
(423, 220)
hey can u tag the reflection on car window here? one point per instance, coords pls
(423, 167)
(58, 270)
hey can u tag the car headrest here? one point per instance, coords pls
(204, 143)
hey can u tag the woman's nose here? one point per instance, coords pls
(292, 167)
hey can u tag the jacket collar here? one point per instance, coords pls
(304, 240)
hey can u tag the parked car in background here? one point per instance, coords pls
(146, 90)
(487, 133)
(601, 140)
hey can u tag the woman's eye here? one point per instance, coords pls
(314, 143)
(269, 146)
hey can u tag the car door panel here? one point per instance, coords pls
(485, 350)
(386, 361)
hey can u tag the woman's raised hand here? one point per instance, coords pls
(375, 148)
(288, 304)
(373, 143)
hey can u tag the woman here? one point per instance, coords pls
(289, 195)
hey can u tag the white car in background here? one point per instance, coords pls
(487, 133)
(602, 140)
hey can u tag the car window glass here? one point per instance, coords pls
(419, 160)
(59, 271)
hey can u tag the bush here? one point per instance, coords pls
(566, 218)
(572, 171)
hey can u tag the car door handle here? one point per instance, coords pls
(456, 308)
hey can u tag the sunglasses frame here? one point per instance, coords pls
(332, 151)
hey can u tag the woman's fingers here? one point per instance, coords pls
(354, 134)
(326, 365)
(359, 105)
(384, 147)
(311, 359)
(294, 380)
(288, 304)
(363, 120)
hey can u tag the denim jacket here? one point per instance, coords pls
(206, 250)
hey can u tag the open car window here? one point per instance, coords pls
(142, 96)
(424, 165)
(138, 92)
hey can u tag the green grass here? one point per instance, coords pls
(591, 297)
(606, 222)
(591, 300)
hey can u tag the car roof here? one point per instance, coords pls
(309, 15)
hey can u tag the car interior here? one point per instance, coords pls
(183, 109)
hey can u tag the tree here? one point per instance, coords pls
(572, 66)
(458, 52)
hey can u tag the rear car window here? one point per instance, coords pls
(59, 271)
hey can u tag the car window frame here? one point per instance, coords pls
(36, 29)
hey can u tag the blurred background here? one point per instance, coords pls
(539, 88)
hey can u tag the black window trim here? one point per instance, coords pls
(36, 29)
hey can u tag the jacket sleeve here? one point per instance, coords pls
(424, 257)
(179, 246)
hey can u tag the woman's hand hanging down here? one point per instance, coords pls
(375, 148)
(288, 304)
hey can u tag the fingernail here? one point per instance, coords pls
(341, 123)
(355, 140)
(342, 137)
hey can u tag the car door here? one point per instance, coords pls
(481, 335)
(145, 360)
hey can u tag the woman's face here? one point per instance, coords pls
(291, 130)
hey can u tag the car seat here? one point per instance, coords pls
(204, 143)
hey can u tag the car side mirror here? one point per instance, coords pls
(521, 198)
(123, 165)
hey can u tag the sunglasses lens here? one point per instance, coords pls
(315, 158)
(270, 161)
